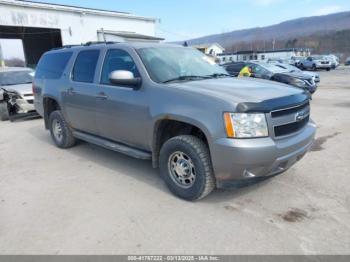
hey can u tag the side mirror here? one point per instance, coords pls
(124, 78)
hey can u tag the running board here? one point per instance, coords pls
(114, 146)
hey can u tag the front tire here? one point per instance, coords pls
(61, 134)
(186, 168)
(4, 113)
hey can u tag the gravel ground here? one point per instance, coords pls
(87, 200)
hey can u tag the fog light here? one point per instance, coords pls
(248, 174)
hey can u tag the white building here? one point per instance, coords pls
(283, 54)
(212, 49)
(43, 26)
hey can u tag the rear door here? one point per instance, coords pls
(80, 96)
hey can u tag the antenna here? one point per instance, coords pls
(103, 35)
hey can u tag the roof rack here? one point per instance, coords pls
(100, 43)
(87, 44)
(64, 46)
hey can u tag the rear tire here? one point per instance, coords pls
(4, 113)
(61, 134)
(328, 69)
(186, 168)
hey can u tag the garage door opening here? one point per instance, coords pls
(36, 41)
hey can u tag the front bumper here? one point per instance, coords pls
(25, 105)
(323, 66)
(239, 160)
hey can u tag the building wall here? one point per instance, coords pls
(215, 50)
(261, 56)
(76, 27)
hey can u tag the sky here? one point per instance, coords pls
(12, 48)
(186, 19)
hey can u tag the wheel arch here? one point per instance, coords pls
(168, 126)
(50, 104)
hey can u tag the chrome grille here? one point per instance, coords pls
(290, 120)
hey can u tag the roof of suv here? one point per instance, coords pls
(135, 45)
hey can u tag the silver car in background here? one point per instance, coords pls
(316, 62)
(294, 69)
(16, 91)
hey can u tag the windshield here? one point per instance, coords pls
(273, 68)
(165, 64)
(16, 77)
(319, 57)
(290, 68)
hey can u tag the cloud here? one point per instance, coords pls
(328, 10)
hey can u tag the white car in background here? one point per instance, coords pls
(16, 94)
(334, 61)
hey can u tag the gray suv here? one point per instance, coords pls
(173, 105)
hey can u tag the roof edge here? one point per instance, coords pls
(74, 9)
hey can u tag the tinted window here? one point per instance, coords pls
(117, 60)
(235, 67)
(51, 66)
(85, 66)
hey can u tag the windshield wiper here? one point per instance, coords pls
(216, 75)
(184, 78)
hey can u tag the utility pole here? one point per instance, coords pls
(273, 44)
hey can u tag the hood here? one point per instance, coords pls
(23, 89)
(312, 74)
(238, 90)
(299, 75)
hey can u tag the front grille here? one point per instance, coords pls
(288, 111)
(290, 128)
(290, 120)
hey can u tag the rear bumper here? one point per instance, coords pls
(239, 160)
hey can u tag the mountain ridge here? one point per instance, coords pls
(300, 27)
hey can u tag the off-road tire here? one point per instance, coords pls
(68, 139)
(4, 113)
(198, 151)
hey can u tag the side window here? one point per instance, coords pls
(85, 66)
(117, 59)
(51, 66)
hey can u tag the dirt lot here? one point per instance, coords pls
(88, 200)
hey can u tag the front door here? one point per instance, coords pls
(122, 113)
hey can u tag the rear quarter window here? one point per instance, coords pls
(52, 66)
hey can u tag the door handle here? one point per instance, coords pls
(101, 96)
(71, 91)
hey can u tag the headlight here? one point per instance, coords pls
(242, 125)
(298, 82)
